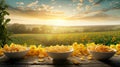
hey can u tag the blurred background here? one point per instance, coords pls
(51, 22)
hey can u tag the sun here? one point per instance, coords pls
(59, 22)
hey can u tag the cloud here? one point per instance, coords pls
(89, 11)
(98, 2)
(74, 0)
(46, 7)
(91, 1)
(33, 4)
(94, 16)
(59, 6)
(34, 10)
(85, 11)
(81, 1)
(79, 6)
(115, 5)
(21, 7)
(97, 17)
(20, 3)
(87, 7)
(41, 12)
(52, 0)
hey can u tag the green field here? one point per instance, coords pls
(107, 38)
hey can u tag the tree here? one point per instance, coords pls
(4, 34)
(17, 28)
(35, 30)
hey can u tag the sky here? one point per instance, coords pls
(65, 12)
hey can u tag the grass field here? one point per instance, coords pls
(107, 38)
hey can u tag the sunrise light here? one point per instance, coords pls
(59, 22)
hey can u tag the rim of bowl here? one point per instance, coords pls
(114, 51)
(71, 50)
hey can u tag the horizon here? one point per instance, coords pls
(66, 26)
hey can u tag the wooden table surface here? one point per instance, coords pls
(32, 62)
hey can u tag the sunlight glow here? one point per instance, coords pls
(59, 22)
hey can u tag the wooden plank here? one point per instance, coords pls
(90, 65)
(29, 62)
(34, 61)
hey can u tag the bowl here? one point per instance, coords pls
(16, 55)
(60, 55)
(102, 55)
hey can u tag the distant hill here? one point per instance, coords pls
(94, 28)
(27, 28)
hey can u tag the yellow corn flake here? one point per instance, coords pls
(82, 58)
(1, 52)
(113, 46)
(91, 46)
(40, 60)
(103, 48)
(58, 48)
(14, 48)
(74, 61)
(41, 56)
(37, 51)
(33, 47)
(118, 52)
(79, 49)
(89, 57)
(100, 48)
(118, 47)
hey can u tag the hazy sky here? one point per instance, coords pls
(65, 12)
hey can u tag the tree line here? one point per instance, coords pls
(46, 29)
(22, 28)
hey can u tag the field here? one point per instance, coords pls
(107, 38)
